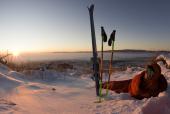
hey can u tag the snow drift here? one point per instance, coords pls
(7, 83)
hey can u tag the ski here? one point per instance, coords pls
(110, 43)
(94, 49)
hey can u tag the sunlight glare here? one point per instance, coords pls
(15, 53)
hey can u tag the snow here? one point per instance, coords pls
(52, 92)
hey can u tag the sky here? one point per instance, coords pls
(64, 25)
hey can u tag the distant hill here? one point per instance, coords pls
(124, 50)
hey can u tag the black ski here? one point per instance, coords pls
(95, 58)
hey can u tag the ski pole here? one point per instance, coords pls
(110, 43)
(104, 39)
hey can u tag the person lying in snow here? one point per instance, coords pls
(148, 83)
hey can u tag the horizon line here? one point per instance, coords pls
(120, 50)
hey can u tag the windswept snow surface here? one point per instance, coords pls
(52, 92)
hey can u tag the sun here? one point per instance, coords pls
(15, 53)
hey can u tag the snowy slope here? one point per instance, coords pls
(61, 93)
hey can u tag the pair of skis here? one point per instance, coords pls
(98, 77)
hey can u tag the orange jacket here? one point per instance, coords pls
(140, 87)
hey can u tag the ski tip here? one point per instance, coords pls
(91, 8)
